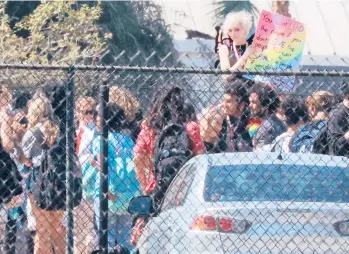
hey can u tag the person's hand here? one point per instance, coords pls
(111, 196)
(9, 146)
(211, 123)
(346, 136)
(16, 201)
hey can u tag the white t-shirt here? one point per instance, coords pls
(280, 144)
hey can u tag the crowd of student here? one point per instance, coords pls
(146, 151)
(251, 116)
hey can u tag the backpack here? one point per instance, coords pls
(51, 180)
(10, 178)
(321, 142)
(311, 138)
(172, 151)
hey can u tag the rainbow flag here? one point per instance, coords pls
(253, 125)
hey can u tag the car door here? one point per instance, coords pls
(173, 208)
(162, 228)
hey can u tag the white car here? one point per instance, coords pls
(252, 203)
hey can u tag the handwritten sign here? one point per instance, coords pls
(277, 46)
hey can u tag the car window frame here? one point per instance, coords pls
(187, 169)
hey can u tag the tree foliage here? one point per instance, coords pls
(138, 29)
(83, 32)
(225, 7)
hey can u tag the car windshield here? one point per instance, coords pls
(276, 183)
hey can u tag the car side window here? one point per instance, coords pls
(178, 190)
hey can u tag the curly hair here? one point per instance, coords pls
(295, 111)
(238, 88)
(83, 101)
(126, 100)
(39, 108)
(268, 97)
(242, 18)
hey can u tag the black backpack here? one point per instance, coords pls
(51, 181)
(172, 151)
(10, 178)
(321, 143)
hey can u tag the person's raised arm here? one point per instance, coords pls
(142, 157)
(6, 132)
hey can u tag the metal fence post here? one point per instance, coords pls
(103, 202)
(69, 159)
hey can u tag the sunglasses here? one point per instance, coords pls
(88, 112)
(23, 121)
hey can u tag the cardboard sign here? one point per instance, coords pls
(277, 46)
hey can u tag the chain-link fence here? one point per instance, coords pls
(172, 160)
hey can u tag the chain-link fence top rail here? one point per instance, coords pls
(239, 202)
(150, 78)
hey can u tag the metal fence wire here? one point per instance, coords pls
(120, 159)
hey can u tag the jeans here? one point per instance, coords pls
(119, 228)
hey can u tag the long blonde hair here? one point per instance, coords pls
(40, 112)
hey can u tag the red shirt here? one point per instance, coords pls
(145, 143)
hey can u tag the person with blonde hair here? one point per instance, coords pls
(5, 98)
(84, 232)
(11, 191)
(21, 214)
(6, 119)
(319, 105)
(126, 100)
(40, 137)
(233, 45)
(122, 180)
(132, 107)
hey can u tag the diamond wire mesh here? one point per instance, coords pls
(257, 202)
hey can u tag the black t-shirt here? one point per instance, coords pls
(238, 140)
(9, 178)
(338, 125)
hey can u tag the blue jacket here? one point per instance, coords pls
(122, 180)
(304, 140)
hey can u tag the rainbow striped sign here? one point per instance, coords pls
(278, 45)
